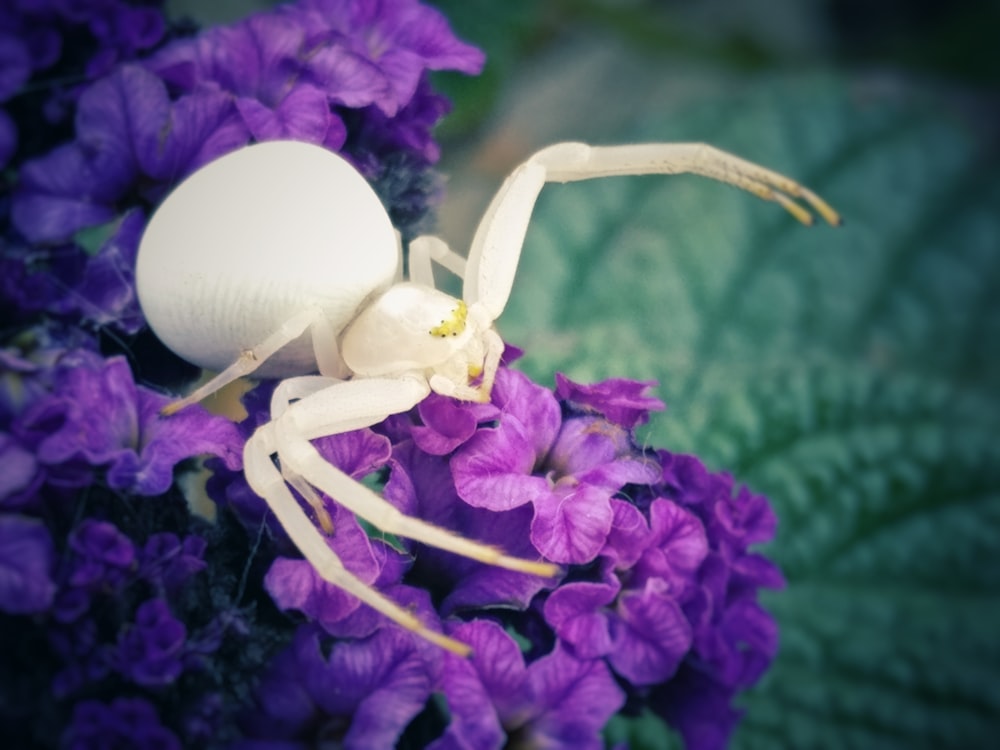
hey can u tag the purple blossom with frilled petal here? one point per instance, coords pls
(557, 701)
(568, 471)
(361, 695)
(139, 448)
(150, 652)
(103, 556)
(398, 40)
(621, 401)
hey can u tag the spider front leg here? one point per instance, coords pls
(345, 407)
(270, 484)
(496, 246)
(341, 407)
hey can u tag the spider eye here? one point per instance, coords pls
(453, 325)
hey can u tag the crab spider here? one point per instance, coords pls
(278, 260)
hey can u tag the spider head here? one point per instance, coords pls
(411, 327)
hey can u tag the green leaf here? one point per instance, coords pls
(849, 374)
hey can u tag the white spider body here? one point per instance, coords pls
(278, 260)
(248, 241)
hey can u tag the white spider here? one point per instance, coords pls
(279, 260)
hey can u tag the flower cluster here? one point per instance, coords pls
(657, 607)
(139, 624)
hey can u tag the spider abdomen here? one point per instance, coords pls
(254, 238)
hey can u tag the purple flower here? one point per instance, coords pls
(126, 722)
(139, 447)
(422, 485)
(494, 698)
(568, 471)
(104, 557)
(26, 560)
(396, 41)
(150, 653)
(361, 695)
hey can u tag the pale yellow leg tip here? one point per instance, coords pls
(458, 648)
(823, 208)
(173, 407)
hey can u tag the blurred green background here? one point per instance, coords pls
(849, 374)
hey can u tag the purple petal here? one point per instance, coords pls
(304, 115)
(53, 199)
(629, 535)
(495, 672)
(677, 546)
(753, 571)
(622, 401)
(381, 683)
(699, 707)
(752, 635)
(26, 559)
(99, 410)
(448, 423)
(499, 664)
(572, 522)
(532, 405)
(350, 80)
(357, 453)
(116, 117)
(106, 294)
(77, 185)
(576, 613)
(493, 469)
(15, 65)
(149, 653)
(651, 637)
(164, 442)
(421, 486)
(575, 698)
(747, 518)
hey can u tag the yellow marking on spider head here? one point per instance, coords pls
(454, 325)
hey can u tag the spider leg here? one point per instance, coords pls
(324, 347)
(496, 246)
(354, 404)
(427, 248)
(287, 391)
(269, 483)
